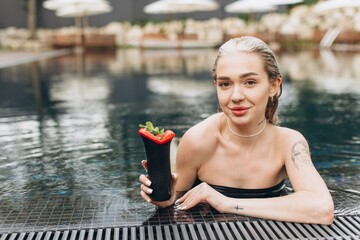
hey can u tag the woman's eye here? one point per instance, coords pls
(224, 84)
(250, 82)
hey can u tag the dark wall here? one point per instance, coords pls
(13, 13)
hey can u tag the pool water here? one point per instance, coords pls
(68, 128)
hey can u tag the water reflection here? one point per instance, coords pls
(325, 70)
(68, 125)
(189, 61)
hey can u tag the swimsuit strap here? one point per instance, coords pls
(274, 191)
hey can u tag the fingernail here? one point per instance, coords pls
(149, 200)
(183, 207)
(177, 202)
(149, 191)
(148, 183)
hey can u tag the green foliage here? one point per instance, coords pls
(150, 128)
(310, 2)
(305, 2)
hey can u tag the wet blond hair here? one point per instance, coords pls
(254, 45)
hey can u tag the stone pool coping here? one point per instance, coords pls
(12, 58)
(110, 217)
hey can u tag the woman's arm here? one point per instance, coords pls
(188, 157)
(310, 203)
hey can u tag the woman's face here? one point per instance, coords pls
(243, 87)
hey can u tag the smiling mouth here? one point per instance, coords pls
(239, 111)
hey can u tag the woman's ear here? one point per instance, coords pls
(274, 87)
(214, 83)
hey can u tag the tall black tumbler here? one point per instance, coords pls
(159, 169)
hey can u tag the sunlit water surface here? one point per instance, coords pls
(68, 126)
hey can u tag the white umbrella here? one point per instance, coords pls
(164, 7)
(180, 6)
(257, 5)
(282, 2)
(84, 10)
(78, 9)
(247, 6)
(335, 4)
(56, 4)
(250, 7)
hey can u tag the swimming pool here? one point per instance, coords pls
(69, 149)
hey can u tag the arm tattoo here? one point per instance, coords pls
(300, 153)
(238, 208)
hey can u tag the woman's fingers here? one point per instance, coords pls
(174, 176)
(146, 189)
(193, 197)
(145, 180)
(189, 200)
(145, 196)
(144, 165)
(182, 199)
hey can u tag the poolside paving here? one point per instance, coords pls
(103, 218)
(12, 58)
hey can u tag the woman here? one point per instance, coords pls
(237, 160)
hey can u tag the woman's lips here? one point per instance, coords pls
(239, 111)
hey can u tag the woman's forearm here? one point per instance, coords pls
(305, 207)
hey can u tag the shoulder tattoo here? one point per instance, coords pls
(300, 154)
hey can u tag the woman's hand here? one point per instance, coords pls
(200, 194)
(146, 190)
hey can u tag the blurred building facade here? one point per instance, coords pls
(13, 13)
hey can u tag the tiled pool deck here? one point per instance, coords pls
(68, 214)
(62, 213)
(108, 217)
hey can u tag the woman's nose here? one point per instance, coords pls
(237, 94)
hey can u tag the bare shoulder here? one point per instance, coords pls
(289, 136)
(202, 133)
(295, 146)
(196, 145)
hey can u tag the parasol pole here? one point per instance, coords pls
(79, 36)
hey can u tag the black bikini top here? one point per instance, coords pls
(275, 191)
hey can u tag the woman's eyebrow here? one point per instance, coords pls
(248, 74)
(222, 78)
(244, 75)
